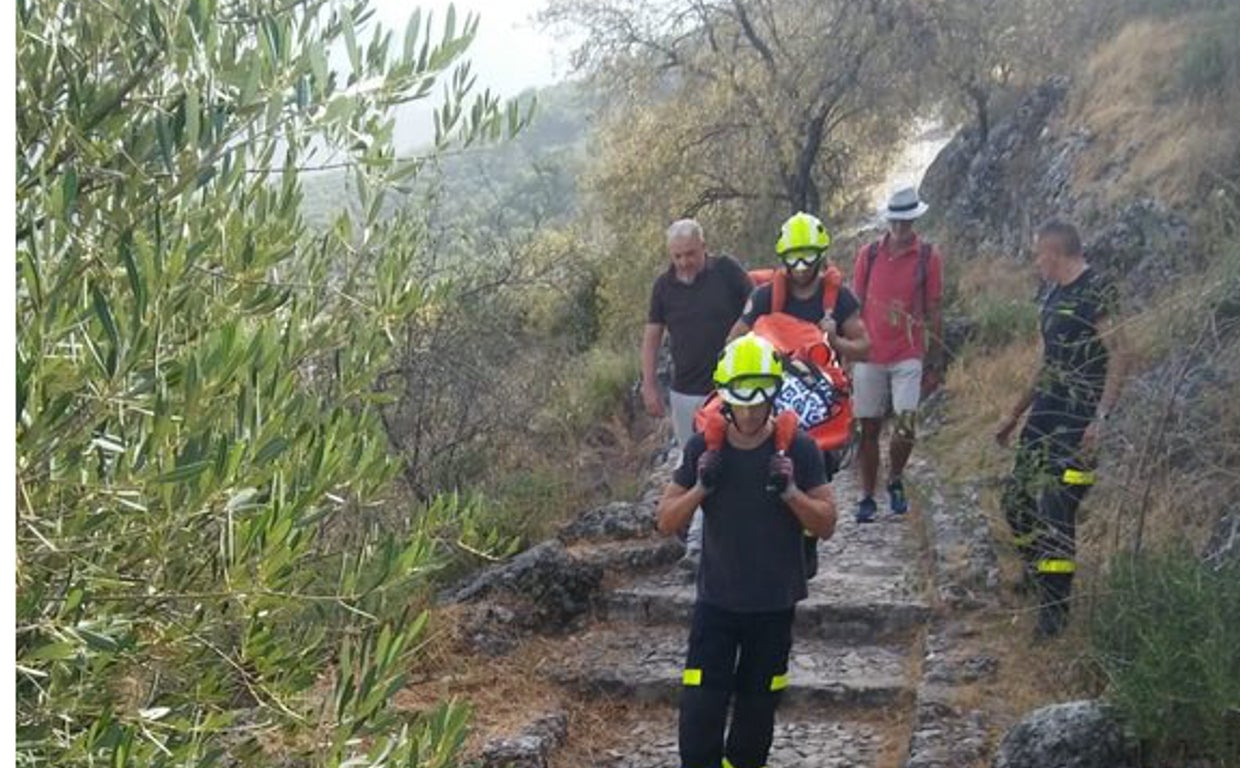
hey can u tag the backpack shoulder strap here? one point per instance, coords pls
(832, 279)
(715, 430)
(871, 255)
(785, 429)
(921, 278)
(779, 291)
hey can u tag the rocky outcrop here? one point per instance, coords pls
(616, 520)
(532, 748)
(989, 196)
(545, 588)
(986, 193)
(1079, 734)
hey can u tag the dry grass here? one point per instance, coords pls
(1149, 138)
(983, 389)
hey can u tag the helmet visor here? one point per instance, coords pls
(750, 390)
(801, 258)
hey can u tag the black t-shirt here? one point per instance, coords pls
(1074, 359)
(752, 553)
(698, 317)
(810, 310)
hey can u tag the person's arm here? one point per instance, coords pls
(652, 337)
(753, 308)
(1115, 341)
(934, 367)
(675, 509)
(739, 328)
(854, 344)
(1004, 431)
(814, 509)
(854, 341)
(935, 352)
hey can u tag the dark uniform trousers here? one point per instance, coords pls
(737, 659)
(1040, 500)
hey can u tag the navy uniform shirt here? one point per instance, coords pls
(752, 553)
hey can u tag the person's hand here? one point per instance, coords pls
(781, 474)
(827, 326)
(709, 470)
(1089, 442)
(1003, 432)
(652, 399)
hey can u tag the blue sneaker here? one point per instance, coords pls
(899, 502)
(867, 510)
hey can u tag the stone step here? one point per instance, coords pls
(629, 556)
(870, 586)
(803, 739)
(669, 598)
(646, 664)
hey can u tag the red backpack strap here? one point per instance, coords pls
(779, 291)
(715, 430)
(832, 279)
(871, 255)
(921, 279)
(785, 429)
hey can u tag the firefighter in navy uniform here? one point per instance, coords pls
(1074, 390)
(756, 501)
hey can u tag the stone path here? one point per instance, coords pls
(871, 670)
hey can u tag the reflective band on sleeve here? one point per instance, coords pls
(692, 677)
(1077, 477)
(779, 682)
(1056, 566)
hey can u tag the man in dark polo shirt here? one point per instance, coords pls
(1084, 363)
(696, 301)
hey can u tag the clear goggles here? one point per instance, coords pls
(804, 259)
(751, 390)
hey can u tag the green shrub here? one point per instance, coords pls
(998, 322)
(1212, 57)
(596, 387)
(206, 576)
(1164, 634)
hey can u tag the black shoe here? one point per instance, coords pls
(899, 502)
(866, 510)
(1052, 620)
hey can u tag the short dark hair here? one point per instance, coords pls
(1063, 232)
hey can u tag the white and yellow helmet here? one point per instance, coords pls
(749, 371)
(802, 232)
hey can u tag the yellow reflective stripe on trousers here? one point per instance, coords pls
(692, 677)
(1056, 566)
(728, 764)
(1077, 477)
(779, 682)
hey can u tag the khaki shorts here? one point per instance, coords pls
(876, 386)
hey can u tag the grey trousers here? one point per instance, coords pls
(683, 408)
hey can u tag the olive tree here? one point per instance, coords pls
(201, 578)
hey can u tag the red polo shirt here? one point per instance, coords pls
(888, 309)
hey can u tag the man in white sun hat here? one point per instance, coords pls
(899, 282)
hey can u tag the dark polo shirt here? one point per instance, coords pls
(698, 317)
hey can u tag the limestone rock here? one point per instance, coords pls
(531, 748)
(548, 587)
(1078, 734)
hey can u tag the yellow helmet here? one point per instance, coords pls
(749, 371)
(802, 232)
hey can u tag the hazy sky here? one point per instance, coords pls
(509, 54)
